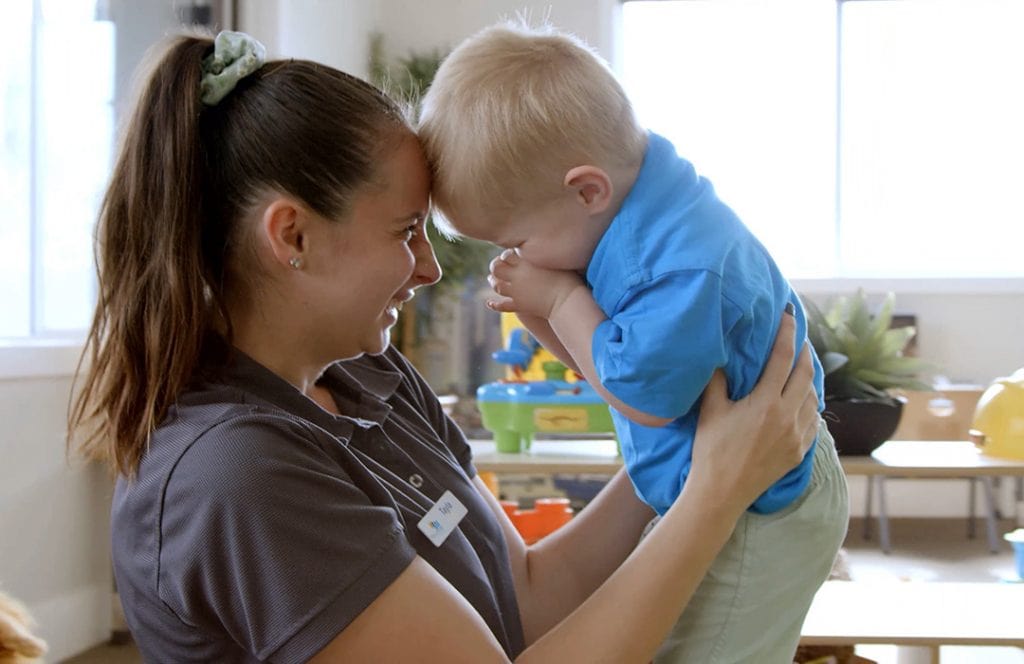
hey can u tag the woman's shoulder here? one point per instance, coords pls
(216, 440)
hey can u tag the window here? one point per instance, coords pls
(857, 138)
(56, 91)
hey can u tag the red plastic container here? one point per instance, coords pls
(546, 516)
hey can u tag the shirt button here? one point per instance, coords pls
(416, 480)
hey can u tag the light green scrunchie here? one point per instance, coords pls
(235, 56)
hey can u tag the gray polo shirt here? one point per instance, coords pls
(260, 525)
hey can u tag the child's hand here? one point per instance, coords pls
(526, 288)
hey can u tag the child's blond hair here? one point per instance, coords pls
(512, 109)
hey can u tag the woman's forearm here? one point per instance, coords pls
(566, 567)
(642, 598)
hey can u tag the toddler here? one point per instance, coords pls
(622, 261)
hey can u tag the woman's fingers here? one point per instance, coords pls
(716, 395)
(801, 377)
(780, 361)
(748, 444)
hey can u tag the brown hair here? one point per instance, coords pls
(169, 242)
(513, 108)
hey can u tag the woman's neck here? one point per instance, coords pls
(277, 346)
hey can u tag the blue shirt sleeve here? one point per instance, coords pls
(656, 352)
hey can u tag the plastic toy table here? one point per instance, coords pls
(516, 410)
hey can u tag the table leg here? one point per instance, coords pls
(990, 499)
(917, 655)
(970, 507)
(867, 506)
(883, 517)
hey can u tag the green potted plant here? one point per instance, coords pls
(863, 361)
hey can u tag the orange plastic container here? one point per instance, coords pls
(546, 516)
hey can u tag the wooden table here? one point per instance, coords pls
(895, 458)
(916, 614)
(930, 459)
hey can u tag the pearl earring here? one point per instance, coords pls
(295, 262)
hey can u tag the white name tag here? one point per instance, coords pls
(442, 518)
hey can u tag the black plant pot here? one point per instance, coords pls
(859, 425)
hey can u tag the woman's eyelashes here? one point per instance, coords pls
(412, 230)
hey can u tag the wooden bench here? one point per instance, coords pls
(926, 615)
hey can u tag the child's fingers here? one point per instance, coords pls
(504, 304)
(506, 257)
(498, 285)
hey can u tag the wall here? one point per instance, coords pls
(413, 25)
(334, 32)
(54, 523)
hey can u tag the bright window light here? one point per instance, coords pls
(932, 137)
(56, 86)
(868, 138)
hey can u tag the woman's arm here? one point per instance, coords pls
(555, 575)
(741, 448)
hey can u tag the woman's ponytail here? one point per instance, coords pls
(152, 310)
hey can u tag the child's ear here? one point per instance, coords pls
(591, 187)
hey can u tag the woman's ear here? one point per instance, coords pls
(591, 187)
(283, 225)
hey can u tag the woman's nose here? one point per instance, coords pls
(427, 271)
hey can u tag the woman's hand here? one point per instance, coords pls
(742, 447)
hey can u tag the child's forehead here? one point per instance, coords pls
(480, 223)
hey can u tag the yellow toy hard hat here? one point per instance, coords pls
(998, 426)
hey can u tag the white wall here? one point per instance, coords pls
(334, 32)
(415, 25)
(54, 518)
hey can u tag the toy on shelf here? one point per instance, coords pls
(998, 427)
(538, 395)
(547, 516)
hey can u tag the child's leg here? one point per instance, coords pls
(752, 603)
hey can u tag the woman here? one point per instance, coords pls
(273, 503)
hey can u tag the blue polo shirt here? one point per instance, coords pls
(686, 288)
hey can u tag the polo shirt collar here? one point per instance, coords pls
(361, 390)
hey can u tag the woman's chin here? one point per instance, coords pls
(382, 343)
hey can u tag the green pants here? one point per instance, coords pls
(752, 603)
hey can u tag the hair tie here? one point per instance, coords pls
(235, 56)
